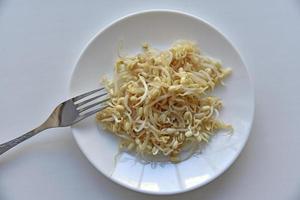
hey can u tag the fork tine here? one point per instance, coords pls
(89, 100)
(86, 94)
(93, 112)
(92, 105)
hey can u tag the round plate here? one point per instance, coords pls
(160, 29)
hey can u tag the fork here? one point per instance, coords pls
(66, 114)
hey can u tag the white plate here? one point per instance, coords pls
(161, 29)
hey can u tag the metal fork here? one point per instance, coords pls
(66, 114)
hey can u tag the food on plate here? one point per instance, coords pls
(160, 102)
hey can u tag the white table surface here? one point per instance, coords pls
(39, 44)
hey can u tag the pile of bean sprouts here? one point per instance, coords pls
(160, 102)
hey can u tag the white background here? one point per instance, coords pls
(40, 42)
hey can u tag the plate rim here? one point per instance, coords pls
(251, 90)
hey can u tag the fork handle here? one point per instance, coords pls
(10, 144)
